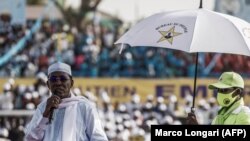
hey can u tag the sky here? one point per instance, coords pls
(133, 10)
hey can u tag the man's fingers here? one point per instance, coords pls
(191, 119)
(53, 102)
(191, 114)
(55, 99)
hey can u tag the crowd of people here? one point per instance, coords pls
(91, 53)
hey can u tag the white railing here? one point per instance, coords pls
(16, 113)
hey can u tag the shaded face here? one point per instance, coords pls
(226, 91)
(227, 97)
(60, 84)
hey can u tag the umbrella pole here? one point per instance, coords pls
(201, 5)
(195, 77)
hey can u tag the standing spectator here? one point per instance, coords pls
(230, 97)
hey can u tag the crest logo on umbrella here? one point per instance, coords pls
(168, 35)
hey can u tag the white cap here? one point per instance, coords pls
(59, 66)
(42, 76)
(7, 86)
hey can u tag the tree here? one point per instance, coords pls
(35, 2)
(75, 17)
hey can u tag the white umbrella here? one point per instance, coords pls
(192, 31)
(198, 30)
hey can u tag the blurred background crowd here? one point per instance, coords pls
(122, 121)
(88, 46)
(92, 53)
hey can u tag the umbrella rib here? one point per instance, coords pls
(193, 32)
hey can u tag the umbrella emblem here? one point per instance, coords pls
(168, 35)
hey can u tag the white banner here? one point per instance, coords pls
(16, 8)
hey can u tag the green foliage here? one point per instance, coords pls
(35, 2)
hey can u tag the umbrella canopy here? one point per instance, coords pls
(198, 30)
